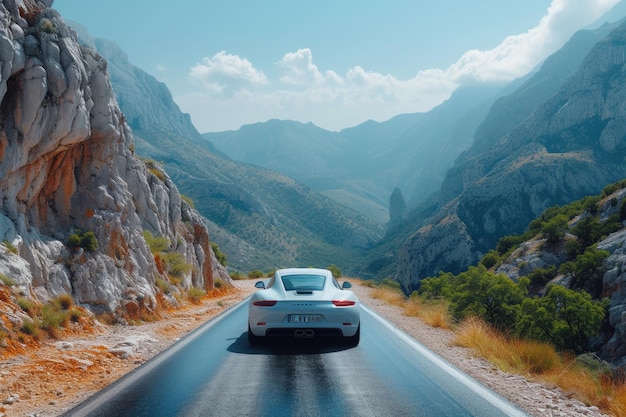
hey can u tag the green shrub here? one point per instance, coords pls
(156, 244)
(10, 247)
(255, 274)
(7, 281)
(73, 241)
(163, 285)
(28, 306)
(63, 302)
(187, 200)
(86, 240)
(563, 317)
(52, 318)
(46, 25)
(480, 293)
(31, 328)
(587, 270)
(508, 243)
(594, 364)
(155, 169)
(89, 242)
(196, 294)
(176, 264)
(335, 270)
(554, 230)
(221, 257)
(391, 284)
(75, 314)
(541, 276)
(490, 260)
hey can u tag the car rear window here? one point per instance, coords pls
(303, 282)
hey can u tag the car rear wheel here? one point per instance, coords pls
(253, 340)
(354, 340)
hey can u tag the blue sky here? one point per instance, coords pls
(334, 63)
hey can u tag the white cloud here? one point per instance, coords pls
(299, 69)
(303, 92)
(518, 54)
(224, 70)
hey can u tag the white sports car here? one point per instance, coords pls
(303, 303)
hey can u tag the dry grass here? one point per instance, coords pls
(540, 361)
(616, 404)
(436, 315)
(413, 307)
(389, 296)
(523, 357)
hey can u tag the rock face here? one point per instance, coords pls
(66, 165)
(397, 208)
(614, 287)
(571, 145)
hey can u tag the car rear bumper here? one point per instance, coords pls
(305, 331)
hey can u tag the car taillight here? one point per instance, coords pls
(264, 303)
(343, 303)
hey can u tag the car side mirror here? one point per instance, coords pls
(346, 285)
(260, 284)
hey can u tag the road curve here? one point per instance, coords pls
(214, 372)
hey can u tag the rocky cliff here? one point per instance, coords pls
(67, 168)
(570, 146)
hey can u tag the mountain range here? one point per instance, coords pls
(557, 138)
(260, 218)
(361, 166)
(453, 164)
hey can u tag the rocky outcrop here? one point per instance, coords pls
(571, 146)
(614, 286)
(67, 167)
(614, 282)
(536, 254)
(397, 208)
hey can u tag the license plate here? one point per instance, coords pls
(305, 318)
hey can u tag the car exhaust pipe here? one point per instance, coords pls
(303, 333)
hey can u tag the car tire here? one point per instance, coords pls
(253, 340)
(354, 340)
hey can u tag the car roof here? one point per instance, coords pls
(304, 271)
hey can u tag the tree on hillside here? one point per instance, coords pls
(564, 317)
(479, 292)
(587, 270)
(554, 230)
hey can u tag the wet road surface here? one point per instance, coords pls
(214, 372)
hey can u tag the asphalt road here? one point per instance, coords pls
(214, 372)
